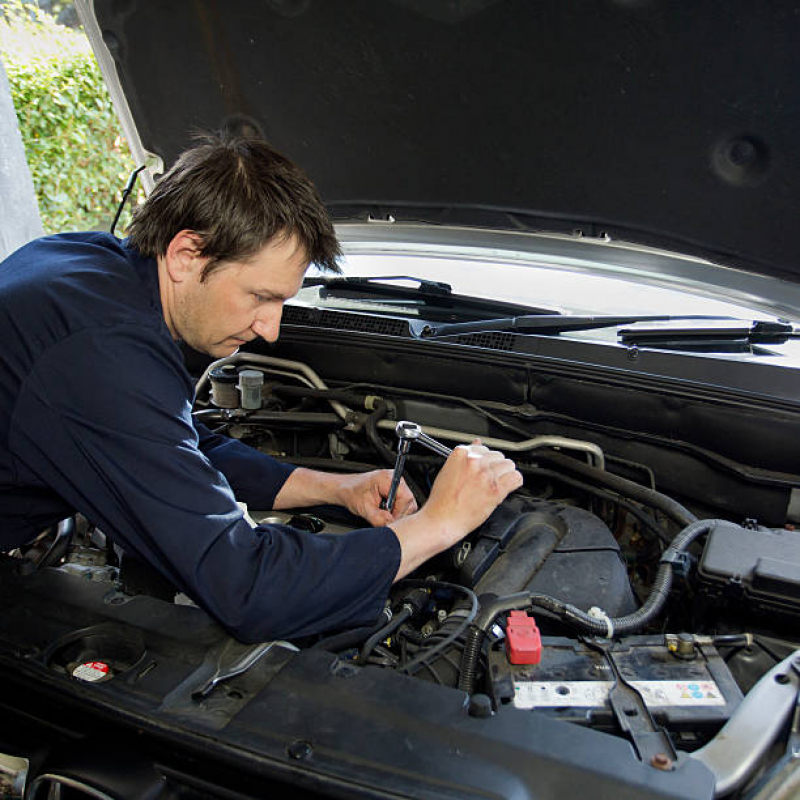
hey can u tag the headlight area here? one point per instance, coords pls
(589, 597)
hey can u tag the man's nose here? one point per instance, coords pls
(267, 323)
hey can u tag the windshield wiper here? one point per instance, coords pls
(424, 285)
(426, 295)
(543, 324)
(733, 336)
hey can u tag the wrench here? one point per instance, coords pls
(408, 432)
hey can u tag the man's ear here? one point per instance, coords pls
(183, 259)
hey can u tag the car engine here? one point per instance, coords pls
(588, 596)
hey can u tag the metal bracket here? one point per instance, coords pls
(737, 750)
(226, 671)
(651, 741)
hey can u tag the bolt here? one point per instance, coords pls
(661, 761)
(480, 705)
(299, 750)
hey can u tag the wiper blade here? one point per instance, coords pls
(426, 294)
(726, 337)
(543, 324)
(424, 285)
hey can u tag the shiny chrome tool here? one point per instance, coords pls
(408, 432)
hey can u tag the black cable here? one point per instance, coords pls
(635, 491)
(605, 627)
(412, 666)
(125, 194)
(350, 638)
(384, 632)
(451, 398)
(648, 523)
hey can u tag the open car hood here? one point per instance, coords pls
(652, 123)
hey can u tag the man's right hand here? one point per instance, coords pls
(472, 483)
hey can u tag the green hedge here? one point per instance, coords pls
(78, 158)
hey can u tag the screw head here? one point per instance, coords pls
(661, 761)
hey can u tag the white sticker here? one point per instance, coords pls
(91, 671)
(548, 694)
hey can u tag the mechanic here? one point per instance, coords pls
(95, 404)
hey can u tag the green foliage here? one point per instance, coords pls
(77, 155)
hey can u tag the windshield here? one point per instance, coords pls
(570, 292)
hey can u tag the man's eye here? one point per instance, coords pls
(260, 298)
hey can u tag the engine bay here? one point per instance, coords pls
(589, 597)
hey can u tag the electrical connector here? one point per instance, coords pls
(523, 640)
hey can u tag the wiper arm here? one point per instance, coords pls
(540, 324)
(424, 285)
(427, 293)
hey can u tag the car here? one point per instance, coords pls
(568, 231)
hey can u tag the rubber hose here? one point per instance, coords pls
(650, 497)
(386, 630)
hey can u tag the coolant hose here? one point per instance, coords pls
(601, 625)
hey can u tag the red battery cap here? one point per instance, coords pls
(523, 640)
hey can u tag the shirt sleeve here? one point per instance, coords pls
(255, 477)
(104, 419)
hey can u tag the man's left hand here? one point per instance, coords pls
(362, 494)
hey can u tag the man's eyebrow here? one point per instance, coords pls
(270, 294)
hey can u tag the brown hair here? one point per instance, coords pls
(236, 193)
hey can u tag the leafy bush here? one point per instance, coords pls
(78, 158)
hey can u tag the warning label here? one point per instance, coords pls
(91, 671)
(543, 694)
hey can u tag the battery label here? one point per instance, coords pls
(544, 694)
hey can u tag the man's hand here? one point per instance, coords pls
(472, 483)
(362, 493)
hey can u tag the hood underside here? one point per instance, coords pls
(664, 124)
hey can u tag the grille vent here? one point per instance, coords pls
(342, 321)
(492, 340)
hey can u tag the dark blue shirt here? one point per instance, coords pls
(95, 417)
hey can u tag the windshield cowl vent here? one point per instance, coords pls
(343, 321)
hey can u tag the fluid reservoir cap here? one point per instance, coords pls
(225, 374)
(223, 386)
(92, 671)
(250, 383)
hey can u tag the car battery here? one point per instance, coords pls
(684, 682)
(757, 568)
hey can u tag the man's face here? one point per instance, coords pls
(240, 300)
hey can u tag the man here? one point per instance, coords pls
(95, 404)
